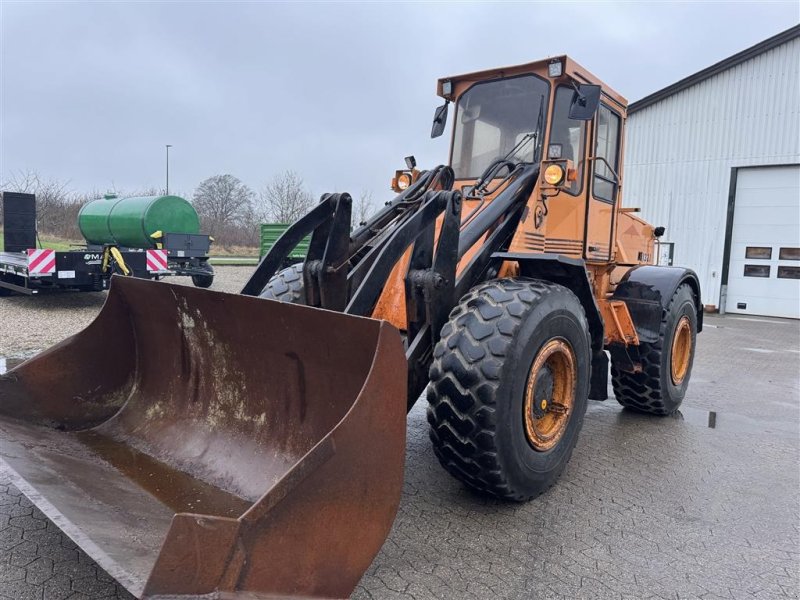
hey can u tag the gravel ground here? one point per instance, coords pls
(29, 324)
(683, 507)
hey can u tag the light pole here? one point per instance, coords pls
(168, 147)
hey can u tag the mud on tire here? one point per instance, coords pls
(654, 390)
(478, 385)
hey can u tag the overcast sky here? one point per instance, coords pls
(91, 92)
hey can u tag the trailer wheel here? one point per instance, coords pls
(286, 286)
(205, 280)
(509, 386)
(666, 365)
(3, 290)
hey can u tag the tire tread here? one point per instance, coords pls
(462, 403)
(286, 285)
(642, 391)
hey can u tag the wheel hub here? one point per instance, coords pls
(681, 350)
(550, 394)
(543, 392)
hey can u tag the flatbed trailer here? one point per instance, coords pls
(26, 269)
(44, 269)
(89, 269)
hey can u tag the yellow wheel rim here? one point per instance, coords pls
(550, 394)
(681, 350)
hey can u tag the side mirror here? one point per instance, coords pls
(439, 120)
(585, 101)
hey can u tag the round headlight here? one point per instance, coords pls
(554, 174)
(404, 180)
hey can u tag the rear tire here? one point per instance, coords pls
(666, 365)
(483, 425)
(203, 281)
(4, 291)
(286, 286)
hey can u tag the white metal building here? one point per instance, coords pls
(715, 158)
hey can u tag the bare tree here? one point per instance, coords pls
(25, 181)
(148, 190)
(364, 207)
(284, 199)
(223, 201)
(52, 196)
(92, 194)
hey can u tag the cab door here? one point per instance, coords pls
(558, 222)
(605, 184)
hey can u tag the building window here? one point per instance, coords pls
(756, 270)
(758, 252)
(788, 272)
(789, 254)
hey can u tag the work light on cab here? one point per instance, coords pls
(554, 174)
(403, 178)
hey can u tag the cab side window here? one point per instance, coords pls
(567, 136)
(607, 147)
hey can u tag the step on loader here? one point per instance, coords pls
(252, 446)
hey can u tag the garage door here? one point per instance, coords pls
(764, 270)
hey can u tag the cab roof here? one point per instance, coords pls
(571, 71)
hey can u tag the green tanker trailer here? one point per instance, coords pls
(131, 222)
(156, 235)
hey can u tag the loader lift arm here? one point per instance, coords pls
(347, 272)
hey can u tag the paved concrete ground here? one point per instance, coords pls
(647, 508)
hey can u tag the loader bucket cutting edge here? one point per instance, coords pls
(194, 442)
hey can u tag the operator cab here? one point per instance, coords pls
(552, 113)
(503, 114)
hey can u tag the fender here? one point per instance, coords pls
(648, 290)
(571, 273)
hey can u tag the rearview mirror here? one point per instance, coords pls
(439, 120)
(470, 114)
(585, 101)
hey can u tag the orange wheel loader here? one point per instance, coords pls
(252, 446)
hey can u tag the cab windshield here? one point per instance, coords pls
(494, 117)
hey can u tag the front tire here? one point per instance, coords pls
(660, 387)
(509, 345)
(286, 286)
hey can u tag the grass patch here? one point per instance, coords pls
(233, 260)
(220, 255)
(59, 244)
(236, 251)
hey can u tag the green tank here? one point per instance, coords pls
(130, 222)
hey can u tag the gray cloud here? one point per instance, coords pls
(91, 92)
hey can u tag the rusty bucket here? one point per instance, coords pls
(194, 442)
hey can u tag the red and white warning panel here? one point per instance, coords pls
(41, 261)
(157, 261)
